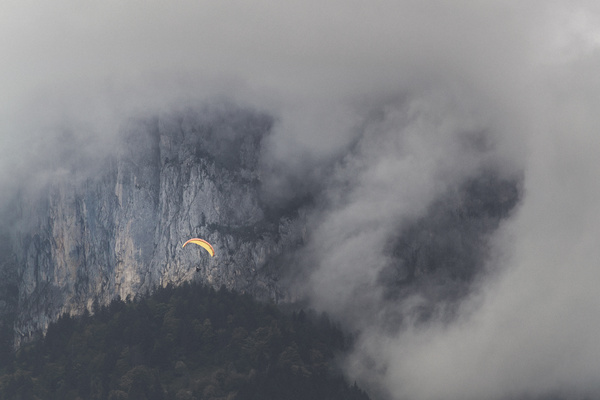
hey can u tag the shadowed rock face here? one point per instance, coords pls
(440, 254)
(119, 231)
(452, 238)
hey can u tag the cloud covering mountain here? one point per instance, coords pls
(380, 110)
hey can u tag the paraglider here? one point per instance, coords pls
(202, 243)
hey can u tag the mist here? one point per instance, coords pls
(380, 110)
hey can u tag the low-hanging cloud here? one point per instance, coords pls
(379, 110)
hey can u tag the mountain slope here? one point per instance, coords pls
(184, 342)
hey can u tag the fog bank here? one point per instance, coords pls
(380, 110)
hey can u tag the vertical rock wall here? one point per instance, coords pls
(119, 231)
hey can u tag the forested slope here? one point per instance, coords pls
(187, 342)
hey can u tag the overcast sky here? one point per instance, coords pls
(407, 85)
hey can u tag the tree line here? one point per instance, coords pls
(184, 342)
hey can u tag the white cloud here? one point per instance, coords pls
(375, 101)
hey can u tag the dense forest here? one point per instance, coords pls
(186, 342)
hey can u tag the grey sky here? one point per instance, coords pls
(402, 83)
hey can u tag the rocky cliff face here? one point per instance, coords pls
(118, 231)
(113, 224)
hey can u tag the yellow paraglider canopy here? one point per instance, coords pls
(202, 243)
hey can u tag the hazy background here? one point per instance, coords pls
(380, 107)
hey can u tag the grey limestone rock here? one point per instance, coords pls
(85, 240)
